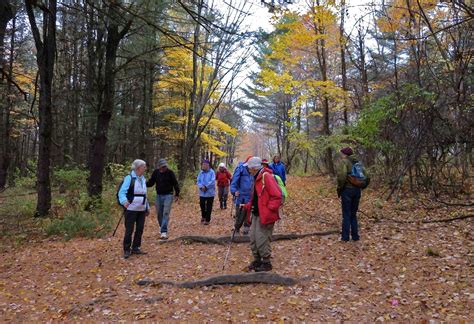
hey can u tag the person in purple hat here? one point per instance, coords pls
(206, 182)
(351, 179)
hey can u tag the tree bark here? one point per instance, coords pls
(222, 240)
(230, 279)
(186, 155)
(45, 57)
(6, 14)
(342, 47)
(98, 146)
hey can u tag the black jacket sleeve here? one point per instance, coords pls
(151, 182)
(175, 184)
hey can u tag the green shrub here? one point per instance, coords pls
(96, 221)
(72, 179)
(115, 172)
(82, 224)
(18, 207)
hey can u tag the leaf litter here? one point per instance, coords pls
(402, 269)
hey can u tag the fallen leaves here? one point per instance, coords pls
(387, 276)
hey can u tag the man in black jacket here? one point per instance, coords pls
(166, 182)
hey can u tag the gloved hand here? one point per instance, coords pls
(339, 192)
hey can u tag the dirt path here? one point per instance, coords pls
(387, 275)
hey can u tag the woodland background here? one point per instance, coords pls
(87, 86)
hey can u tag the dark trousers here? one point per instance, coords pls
(206, 207)
(132, 218)
(350, 198)
(223, 195)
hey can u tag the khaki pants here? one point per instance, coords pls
(260, 238)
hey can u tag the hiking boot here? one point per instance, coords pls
(264, 267)
(164, 236)
(126, 254)
(203, 220)
(254, 265)
(206, 223)
(138, 251)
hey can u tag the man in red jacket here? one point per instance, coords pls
(223, 177)
(263, 212)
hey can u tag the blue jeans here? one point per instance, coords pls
(163, 208)
(350, 198)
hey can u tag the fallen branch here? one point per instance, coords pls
(235, 279)
(448, 219)
(223, 240)
(454, 204)
(428, 221)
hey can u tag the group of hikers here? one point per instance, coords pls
(258, 190)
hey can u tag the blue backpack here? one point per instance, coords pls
(357, 177)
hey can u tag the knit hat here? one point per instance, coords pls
(265, 161)
(162, 163)
(206, 161)
(254, 163)
(347, 151)
(221, 165)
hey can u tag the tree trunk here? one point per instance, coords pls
(184, 161)
(6, 14)
(106, 105)
(342, 46)
(46, 49)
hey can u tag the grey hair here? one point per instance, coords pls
(138, 163)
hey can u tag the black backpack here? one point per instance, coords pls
(130, 191)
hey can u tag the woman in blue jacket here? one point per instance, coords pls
(206, 182)
(278, 168)
(241, 188)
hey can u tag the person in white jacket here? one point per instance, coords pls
(132, 196)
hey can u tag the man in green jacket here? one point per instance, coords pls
(349, 193)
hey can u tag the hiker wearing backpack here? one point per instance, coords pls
(166, 183)
(132, 196)
(280, 182)
(278, 168)
(206, 182)
(262, 212)
(351, 179)
(223, 177)
(241, 188)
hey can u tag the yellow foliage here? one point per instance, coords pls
(173, 98)
(219, 125)
(167, 133)
(212, 144)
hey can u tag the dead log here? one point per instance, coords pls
(232, 279)
(430, 221)
(448, 219)
(223, 240)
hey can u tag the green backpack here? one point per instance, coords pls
(284, 193)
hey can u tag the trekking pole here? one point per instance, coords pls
(228, 249)
(239, 220)
(120, 219)
(232, 207)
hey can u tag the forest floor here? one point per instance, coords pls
(403, 268)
